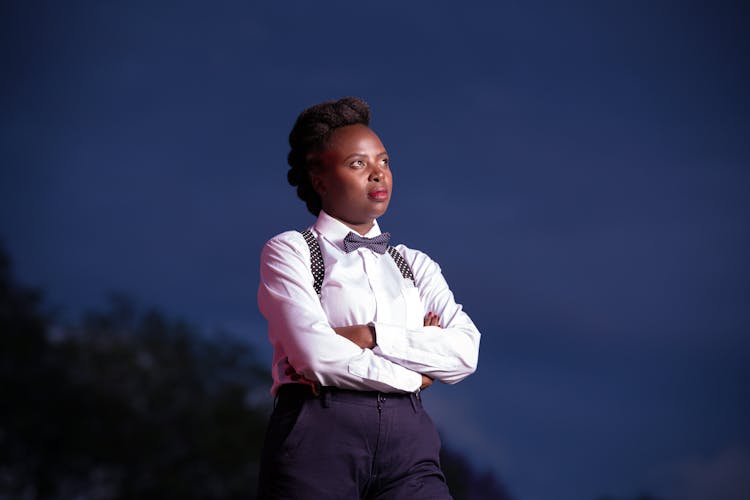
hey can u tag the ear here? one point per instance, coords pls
(317, 182)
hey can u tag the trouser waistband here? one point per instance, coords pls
(327, 395)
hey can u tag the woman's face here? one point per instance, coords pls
(354, 181)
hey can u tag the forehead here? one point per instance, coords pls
(354, 139)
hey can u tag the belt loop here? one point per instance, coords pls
(413, 397)
(325, 396)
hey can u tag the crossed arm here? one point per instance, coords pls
(364, 336)
(387, 356)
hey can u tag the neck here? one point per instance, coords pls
(359, 227)
(362, 229)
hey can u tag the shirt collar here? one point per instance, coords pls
(335, 231)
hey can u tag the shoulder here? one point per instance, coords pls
(288, 242)
(420, 263)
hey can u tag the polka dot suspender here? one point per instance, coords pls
(401, 264)
(316, 259)
(318, 267)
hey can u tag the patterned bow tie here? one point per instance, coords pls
(378, 244)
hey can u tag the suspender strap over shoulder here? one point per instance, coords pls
(401, 264)
(317, 266)
(316, 260)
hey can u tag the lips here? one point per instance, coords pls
(378, 194)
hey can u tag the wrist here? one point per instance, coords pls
(373, 334)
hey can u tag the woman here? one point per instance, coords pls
(358, 328)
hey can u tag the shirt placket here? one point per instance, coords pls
(374, 277)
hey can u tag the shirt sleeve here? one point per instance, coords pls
(448, 354)
(299, 326)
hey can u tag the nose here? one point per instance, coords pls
(377, 173)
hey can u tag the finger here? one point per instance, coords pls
(432, 319)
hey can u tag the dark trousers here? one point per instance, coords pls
(350, 445)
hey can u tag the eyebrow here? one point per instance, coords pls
(354, 155)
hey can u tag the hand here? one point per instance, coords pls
(426, 382)
(292, 374)
(362, 335)
(432, 319)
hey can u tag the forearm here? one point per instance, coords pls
(364, 337)
(317, 353)
(448, 355)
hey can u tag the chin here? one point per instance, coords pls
(381, 206)
(379, 213)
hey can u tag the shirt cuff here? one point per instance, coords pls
(395, 377)
(391, 340)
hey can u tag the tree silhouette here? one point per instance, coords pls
(640, 496)
(126, 404)
(467, 483)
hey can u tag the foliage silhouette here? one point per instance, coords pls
(466, 482)
(129, 404)
(640, 496)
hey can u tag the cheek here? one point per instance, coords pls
(389, 178)
(351, 187)
(358, 183)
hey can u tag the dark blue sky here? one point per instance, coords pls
(580, 170)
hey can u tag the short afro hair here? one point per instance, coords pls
(309, 136)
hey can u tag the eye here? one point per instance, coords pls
(357, 164)
(385, 162)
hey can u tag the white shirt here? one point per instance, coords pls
(360, 288)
